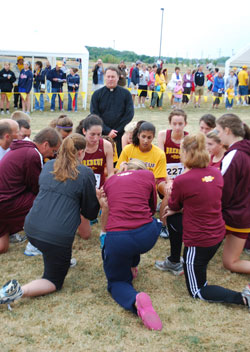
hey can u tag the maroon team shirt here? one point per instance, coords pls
(131, 200)
(199, 192)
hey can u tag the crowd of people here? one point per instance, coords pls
(143, 81)
(110, 163)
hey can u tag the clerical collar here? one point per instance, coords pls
(112, 89)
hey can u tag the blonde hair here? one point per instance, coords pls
(130, 126)
(20, 115)
(196, 155)
(136, 164)
(7, 63)
(65, 166)
(214, 136)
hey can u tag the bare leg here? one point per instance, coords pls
(7, 103)
(233, 248)
(2, 101)
(84, 229)
(38, 288)
(28, 102)
(23, 104)
(4, 243)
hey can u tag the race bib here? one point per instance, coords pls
(98, 180)
(174, 169)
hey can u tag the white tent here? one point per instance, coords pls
(238, 60)
(36, 47)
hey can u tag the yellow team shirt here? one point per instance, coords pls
(242, 76)
(230, 93)
(155, 159)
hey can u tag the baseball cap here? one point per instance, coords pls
(59, 64)
(138, 62)
(19, 58)
(244, 66)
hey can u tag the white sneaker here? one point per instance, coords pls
(135, 107)
(7, 112)
(73, 262)
(52, 110)
(2, 112)
(143, 106)
(17, 238)
(31, 251)
(139, 106)
(245, 104)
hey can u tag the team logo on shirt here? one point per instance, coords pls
(93, 162)
(207, 179)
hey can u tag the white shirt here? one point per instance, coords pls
(3, 152)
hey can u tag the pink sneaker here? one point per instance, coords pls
(147, 313)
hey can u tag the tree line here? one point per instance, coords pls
(109, 55)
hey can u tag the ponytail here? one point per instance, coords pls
(234, 123)
(65, 166)
(140, 127)
(196, 155)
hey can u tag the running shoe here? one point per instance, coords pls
(73, 262)
(147, 313)
(102, 239)
(10, 292)
(166, 265)
(164, 232)
(17, 238)
(31, 250)
(246, 294)
(93, 222)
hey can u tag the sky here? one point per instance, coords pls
(191, 29)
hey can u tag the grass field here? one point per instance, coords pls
(83, 317)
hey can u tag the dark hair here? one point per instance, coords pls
(4, 129)
(177, 68)
(23, 123)
(209, 120)
(74, 69)
(234, 123)
(39, 63)
(154, 65)
(112, 68)
(177, 112)
(140, 127)
(216, 70)
(88, 122)
(48, 134)
(158, 71)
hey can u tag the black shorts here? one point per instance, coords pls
(144, 92)
(56, 261)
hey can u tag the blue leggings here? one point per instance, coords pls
(122, 251)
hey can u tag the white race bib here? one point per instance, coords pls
(174, 169)
(98, 180)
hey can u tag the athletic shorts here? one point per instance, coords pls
(133, 89)
(243, 90)
(177, 100)
(56, 261)
(21, 90)
(199, 90)
(242, 235)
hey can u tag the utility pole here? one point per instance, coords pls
(162, 11)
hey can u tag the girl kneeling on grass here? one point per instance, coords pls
(131, 231)
(198, 191)
(67, 189)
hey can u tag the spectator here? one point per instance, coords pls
(7, 78)
(73, 81)
(176, 76)
(127, 137)
(19, 173)
(243, 84)
(231, 79)
(178, 94)
(160, 87)
(48, 82)
(39, 85)
(25, 86)
(114, 105)
(230, 97)
(130, 73)
(17, 69)
(187, 85)
(199, 80)
(135, 79)
(122, 74)
(143, 86)
(57, 78)
(210, 80)
(98, 75)
(218, 89)
(24, 129)
(151, 84)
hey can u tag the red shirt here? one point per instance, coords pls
(131, 199)
(216, 163)
(172, 151)
(199, 193)
(97, 161)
